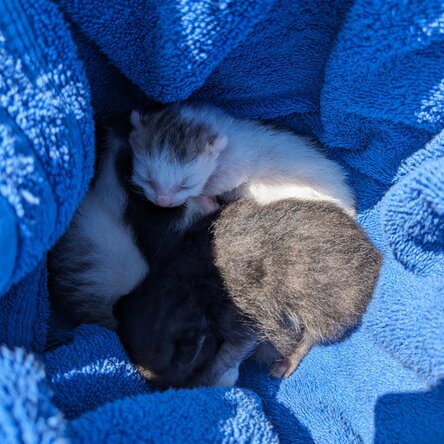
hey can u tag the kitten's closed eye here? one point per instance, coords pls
(187, 184)
(151, 184)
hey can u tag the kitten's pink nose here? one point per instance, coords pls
(164, 200)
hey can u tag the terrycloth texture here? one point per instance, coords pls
(224, 416)
(83, 371)
(24, 312)
(169, 416)
(46, 134)
(363, 76)
(165, 49)
(27, 414)
(168, 48)
(92, 370)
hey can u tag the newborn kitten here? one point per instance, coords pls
(286, 276)
(187, 150)
(113, 237)
(302, 273)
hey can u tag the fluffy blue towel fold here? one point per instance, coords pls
(168, 49)
(27, 414)
(363, 76)
(186, 416)
(46, 133)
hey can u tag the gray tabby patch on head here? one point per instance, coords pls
(169, 131)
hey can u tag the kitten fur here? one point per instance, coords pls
(97, 260)
(174, 323)
(302, 273)
(286, 275)
(113, 236)
(187, 150)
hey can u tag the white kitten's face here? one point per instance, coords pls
(167, 182)
(173, 157)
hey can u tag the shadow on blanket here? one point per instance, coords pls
(402, 415)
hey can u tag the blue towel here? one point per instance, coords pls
(364, 76)
(167, 49)
(27, 413)
(46, 134)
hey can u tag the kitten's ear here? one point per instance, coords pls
(136, 119)
(217, 144)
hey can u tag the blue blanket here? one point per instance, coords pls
(365, 77)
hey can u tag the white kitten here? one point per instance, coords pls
(184, 151)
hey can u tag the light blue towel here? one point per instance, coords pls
(365, 77)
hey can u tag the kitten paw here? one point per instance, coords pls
(208, 204)
(197, 207)
(282, 369)
(228, 378)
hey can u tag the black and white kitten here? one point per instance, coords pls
(279, 278)
(114, 236)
